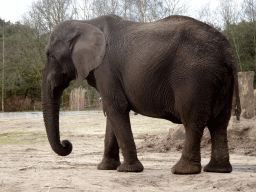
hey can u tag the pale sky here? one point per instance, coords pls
(13, 9)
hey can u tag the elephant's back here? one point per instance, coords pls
(177, 57)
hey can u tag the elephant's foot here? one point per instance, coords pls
(219, 167)
(186, 167)
(109, 164)
(135, 167)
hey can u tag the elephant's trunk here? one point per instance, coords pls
(51, 99)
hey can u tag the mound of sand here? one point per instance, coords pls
(241, 138)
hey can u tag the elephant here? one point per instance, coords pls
(176, 68)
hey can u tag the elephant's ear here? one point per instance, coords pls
(87, 48)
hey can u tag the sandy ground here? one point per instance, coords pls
(27, 162)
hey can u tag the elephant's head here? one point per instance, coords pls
(74, 50)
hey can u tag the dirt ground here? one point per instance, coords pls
(27, 162)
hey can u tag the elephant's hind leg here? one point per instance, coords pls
(111, 159)
(220, 155)
(190, 161)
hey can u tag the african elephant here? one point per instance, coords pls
(177, 68)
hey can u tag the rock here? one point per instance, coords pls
(177, 133)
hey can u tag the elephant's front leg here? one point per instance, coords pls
(111, 159)
(120, 124)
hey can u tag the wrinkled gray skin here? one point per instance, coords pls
(176, 68)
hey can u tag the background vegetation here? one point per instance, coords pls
(22, 43)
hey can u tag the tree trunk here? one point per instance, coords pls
(245, 81)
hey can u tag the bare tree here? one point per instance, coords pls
(207, 15)
(155, 8)
(175, 7)
(104, 7)
(85, 9)
(249, 8)
(126, 8)
(45, 14)
(75, 9)
(229, 12)
(142, 6)
(204, 12)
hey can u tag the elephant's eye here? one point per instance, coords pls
(51, 57)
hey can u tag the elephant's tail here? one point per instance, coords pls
(236, 94)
